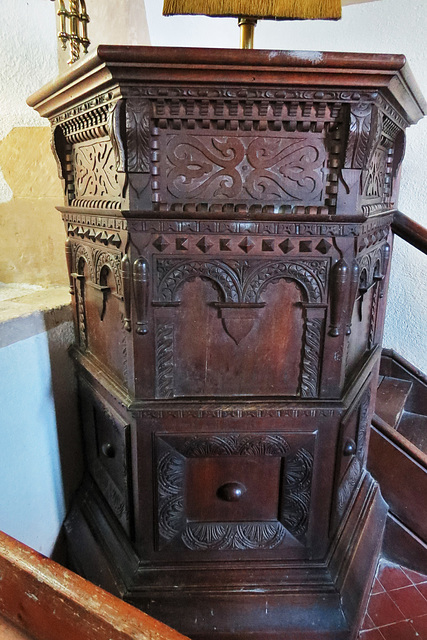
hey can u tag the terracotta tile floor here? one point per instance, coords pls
(397, 607)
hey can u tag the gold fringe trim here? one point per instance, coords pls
(292, 9)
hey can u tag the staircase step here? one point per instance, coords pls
(391, 398)
(413, 426)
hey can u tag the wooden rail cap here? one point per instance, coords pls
(50, 602)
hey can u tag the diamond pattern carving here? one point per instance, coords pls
(204, 244)
(161, 243)
(286, 246)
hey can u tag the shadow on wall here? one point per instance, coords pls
(65, 399)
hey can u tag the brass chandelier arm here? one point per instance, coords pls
(73, 23)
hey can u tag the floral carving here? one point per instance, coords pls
(138, 135)
(238, 445)
(358, 136)
(220, 537)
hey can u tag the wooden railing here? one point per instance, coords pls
(409, 230)
(52, 603)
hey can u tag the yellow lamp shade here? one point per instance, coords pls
(274, 9)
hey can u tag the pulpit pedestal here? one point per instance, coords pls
(228, 240)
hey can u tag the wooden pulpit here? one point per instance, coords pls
(228, 242)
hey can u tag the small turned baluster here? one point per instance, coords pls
(69, 259)
(126, 280)
(386, 251)
(354, 287)
(140, 288)
(339, 295)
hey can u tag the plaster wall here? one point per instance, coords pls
(383, 26)
(40, 458)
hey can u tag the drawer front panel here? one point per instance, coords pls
(234, 492)
(106, 437)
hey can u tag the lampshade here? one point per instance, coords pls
(274, 9)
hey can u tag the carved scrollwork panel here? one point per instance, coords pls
(95, 173)
(267, 169)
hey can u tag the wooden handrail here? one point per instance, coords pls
(51, 603)
(398, 439)
(410, 231)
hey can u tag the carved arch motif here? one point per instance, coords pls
(173, 274)
(80, 251)
(264, 275)
(241, 283)
(112, 261)
(238, 282)
(372, 267)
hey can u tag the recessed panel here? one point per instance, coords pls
(232, 489)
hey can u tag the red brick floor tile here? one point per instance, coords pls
(415, 576)
(399, 631)
(367, 623)
(377, 587)
(372, 634)
(420, 625)
(392, 577)
(383, 610)
(410, 601)
(422, 588)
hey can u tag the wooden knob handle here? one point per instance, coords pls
(108, 450)
(349, 447)
(231, 491)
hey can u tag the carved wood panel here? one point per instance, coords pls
(352, 451)
(235, 167)
(106, 437)
(237, 463)
(235, 318)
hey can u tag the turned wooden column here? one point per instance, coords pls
(228, 240)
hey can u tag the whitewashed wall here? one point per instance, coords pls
(28, 60)
(385, 26)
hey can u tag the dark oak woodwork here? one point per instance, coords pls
(229, 237)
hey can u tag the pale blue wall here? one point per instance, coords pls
(33, 504)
